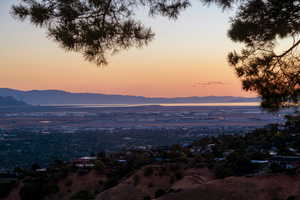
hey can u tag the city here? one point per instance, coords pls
(42, 134)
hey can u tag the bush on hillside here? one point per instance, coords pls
(159, 193)
(148, 171)
(83, 195)
(136, 180)
(37, 190)
(5, 188)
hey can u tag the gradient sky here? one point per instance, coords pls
(187, 58)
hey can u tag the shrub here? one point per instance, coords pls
(175, 167)
(5, 189)
(69, 183)
(222, 171)
(276, 168)
(35, 166)
(31, 191)
(147, 198)
(97, 191)
(172, 179)
(100, 182)
(179, 175)
(292, 197)
(136, 180)
(160, 174)
(99, 166)
(83, 195)
(113, 181)
(50, 189)
(37, 190)
(148, 171)
(150, 185)
(159, 193)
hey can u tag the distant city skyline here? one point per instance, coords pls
(186, 58)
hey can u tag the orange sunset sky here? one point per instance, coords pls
(187, 58)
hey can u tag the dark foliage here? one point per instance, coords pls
(96, 27)
(83, 195)
(148, 171)
(111, 182)
(263, 65)
(292, 197)
(38, 189)
(136, 180)
(159, 193)
(147, 198)
(237, 164)
(5, 188)
(179, 175)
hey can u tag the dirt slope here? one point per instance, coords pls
(163, 177)
(236, 188)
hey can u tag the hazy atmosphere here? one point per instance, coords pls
(186, 58)
(149, 100)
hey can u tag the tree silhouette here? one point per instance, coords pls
(262, 65)
(98, 27)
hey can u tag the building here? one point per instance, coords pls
(287, 162)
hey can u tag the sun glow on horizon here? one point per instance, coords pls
(185, 59)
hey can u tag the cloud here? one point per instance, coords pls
(209, 83)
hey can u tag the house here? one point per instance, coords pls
(273, 151)
(41, 170)
(122, 161)
(87, 158)
(85, 162)
(261, 162)
(287, 162)
(84, 165)
(220, 159)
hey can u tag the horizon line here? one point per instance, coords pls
(61, 90)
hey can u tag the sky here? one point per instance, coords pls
(186, 58)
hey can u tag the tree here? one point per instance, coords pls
(99, 166)
(97, 27)
(159, 193)
(35, 166)
(6, 188)
(83, 195)
(263, 65)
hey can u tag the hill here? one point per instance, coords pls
(243, 188)
(194, 183)
(10, 101)
(45, 97)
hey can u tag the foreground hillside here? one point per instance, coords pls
(162, 184)
(279, 187)
(196, 184)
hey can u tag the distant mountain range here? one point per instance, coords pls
(46, 97)
(10, 101)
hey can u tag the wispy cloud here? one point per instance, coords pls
(209, 83)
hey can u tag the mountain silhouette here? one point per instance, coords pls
(46, 97)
